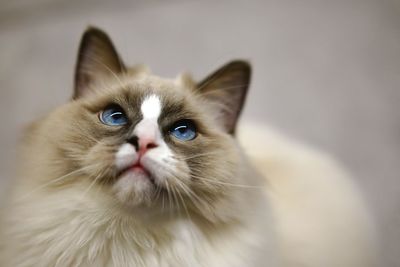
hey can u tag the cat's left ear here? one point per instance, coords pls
(97, 59)
(226, 89)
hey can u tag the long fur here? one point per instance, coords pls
(250, 198)
(317, 219)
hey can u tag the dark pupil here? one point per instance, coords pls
(117, 115)
(182, 129)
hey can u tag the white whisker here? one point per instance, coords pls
(200, 155)
(215, 182)
(57, 180)
(91, 184)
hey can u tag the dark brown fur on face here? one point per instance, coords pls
(77, 142)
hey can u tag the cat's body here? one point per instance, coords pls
(319, 216)
(146, 173)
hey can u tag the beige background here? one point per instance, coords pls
(325, 72)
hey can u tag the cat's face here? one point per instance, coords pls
(149, 141)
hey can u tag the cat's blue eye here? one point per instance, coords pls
(113, 116)
(183, 130)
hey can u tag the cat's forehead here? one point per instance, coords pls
(150, 84)
(147, 96)
(152, 95)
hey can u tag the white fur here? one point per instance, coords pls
(148, 128)
(125, 156)
(151, 107)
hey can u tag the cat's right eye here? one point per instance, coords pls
(113, 115)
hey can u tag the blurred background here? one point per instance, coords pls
(325, 72)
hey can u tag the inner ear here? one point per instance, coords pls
(97, 59)
(226, 90)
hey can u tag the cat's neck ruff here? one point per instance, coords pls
(88, 228)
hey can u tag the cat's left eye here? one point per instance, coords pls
(183, 130)
(113, 115)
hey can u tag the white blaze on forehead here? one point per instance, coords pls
(147, 128)
(151, 107)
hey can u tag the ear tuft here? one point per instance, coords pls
(97, 58)
(226, 89)
(185, 80)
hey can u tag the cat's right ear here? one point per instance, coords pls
(97, 59)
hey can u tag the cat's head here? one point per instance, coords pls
(148, 140)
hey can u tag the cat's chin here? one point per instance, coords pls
(135, 186)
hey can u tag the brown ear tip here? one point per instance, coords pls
(93, 31)
(240, 64)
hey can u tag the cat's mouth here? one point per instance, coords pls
(136, 170)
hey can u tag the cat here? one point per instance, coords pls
(138, 170)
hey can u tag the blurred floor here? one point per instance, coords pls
(325, 72)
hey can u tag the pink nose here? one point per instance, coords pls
(146, 144)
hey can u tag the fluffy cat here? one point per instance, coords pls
(138, 170)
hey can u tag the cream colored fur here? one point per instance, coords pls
(319, 215)
(318, 220)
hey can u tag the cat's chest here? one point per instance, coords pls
(84, 239)
(181, 243)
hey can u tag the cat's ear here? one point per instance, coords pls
(97, 58)
(226, 89)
